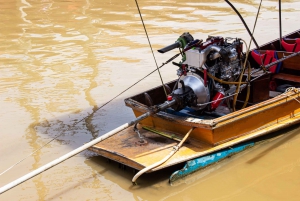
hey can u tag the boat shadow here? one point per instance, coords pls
(285, 135)
(110, 171)
(77, 128)
(109, 168)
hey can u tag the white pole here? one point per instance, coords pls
(62, 158)
(85, 146)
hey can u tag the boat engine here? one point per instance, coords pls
(207, 70)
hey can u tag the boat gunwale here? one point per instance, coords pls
(192, 121)
(249, 136)
(277, 100)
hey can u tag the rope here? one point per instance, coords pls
(273, 63)
(171, 59)
(151, 47)
(294, 89)
(261, 60)
(247, 54)
(174, 150)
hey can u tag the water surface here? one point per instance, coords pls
(62, 60)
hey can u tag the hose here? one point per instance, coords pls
(222, 81)
(244, 23)
(238, 88)
(175, 149)
(240, 78)
(248, 86)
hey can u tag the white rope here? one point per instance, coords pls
(175, 149)
(289, 89)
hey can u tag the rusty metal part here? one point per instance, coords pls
(168, 89)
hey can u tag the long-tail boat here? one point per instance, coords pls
(222, 101)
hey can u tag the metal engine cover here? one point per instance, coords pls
(196, 83)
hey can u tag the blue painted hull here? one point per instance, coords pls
(202, 162)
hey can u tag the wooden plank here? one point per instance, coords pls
(289, 77)
(291, 63)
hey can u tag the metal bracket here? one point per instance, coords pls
(142, 140)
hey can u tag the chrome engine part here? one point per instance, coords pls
(196, 83)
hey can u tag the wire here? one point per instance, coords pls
(243, 21)
(137, 5)
(244, 66)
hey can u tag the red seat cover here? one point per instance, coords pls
(265, 58)
(291, 47)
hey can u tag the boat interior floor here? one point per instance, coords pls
(128, 148)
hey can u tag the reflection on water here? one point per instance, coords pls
(62, 60)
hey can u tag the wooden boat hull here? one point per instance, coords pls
(125, 148)
(219, 130)
(162, 130)
(204, 161)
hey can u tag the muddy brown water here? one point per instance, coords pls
(60, 61)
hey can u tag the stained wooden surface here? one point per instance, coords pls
(125, 147)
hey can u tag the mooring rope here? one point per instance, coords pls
(244, 23)
(157, 69)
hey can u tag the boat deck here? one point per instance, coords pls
(125, 148)
(139, 155)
